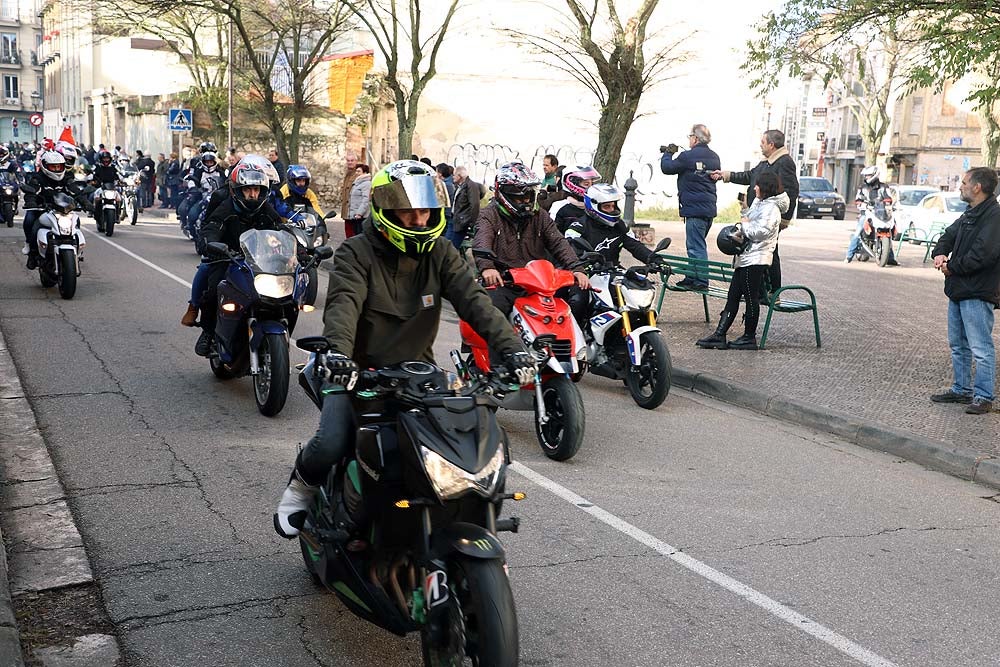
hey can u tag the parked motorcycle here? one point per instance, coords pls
(878, 232)
(623, 340)
(259, 302)
(405, 533)
(60, 245)
(108, 209)
(10, 192)
(546, 326)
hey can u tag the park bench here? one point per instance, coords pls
(920, 237)
(719, 276)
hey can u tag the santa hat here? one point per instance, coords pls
(67, 135)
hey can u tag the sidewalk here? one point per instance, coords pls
(885, 347)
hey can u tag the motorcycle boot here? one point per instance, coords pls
(293, 507)
(717, 341)
(190, 316)
(32, 260)
(203, 348)
(748, 341)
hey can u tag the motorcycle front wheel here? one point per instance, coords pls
(482, 619)
(883, 250)
(135, 214)
(270, 385)
(562, 435)
(649, 382)
(8, 214)
(67, 274)
(110, 218)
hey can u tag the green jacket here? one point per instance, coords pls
(383, 307)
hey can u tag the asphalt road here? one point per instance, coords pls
(696, 534)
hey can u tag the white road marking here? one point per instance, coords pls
(793, 618)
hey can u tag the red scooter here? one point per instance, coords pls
(547, 328)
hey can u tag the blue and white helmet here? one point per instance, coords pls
(603, 193)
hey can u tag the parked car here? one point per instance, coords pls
(936, 211)
(818, 199)
(907, 199)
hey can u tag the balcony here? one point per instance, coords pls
(10, 59)
(11, 103)
(9, 16)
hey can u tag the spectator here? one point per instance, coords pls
(776, 160)
(174, 173)
(147, 172)
(547, 198)
(161, 180)
(272, 156)
(696, 193)
(444, 173)
(359, 204)
(427, 161)
(549, 165)
(968, 254)
(345, 188)
(465, 208)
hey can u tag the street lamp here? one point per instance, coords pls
(36, 99)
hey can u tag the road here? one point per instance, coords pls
(696, 534)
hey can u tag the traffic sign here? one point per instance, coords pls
(179, 120)
(35, 119)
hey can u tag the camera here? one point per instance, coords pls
(670, 148)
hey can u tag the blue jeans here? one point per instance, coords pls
(970, 336)
(199, 283)
(695, 233)
(852, 247)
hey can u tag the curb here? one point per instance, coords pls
(960, 462)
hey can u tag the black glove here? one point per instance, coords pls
(522, 366)
(343, 370)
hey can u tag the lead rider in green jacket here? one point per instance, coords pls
(383, 306)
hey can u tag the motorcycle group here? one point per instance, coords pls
(396, 500)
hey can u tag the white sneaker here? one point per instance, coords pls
(26, 249)
(292, 507)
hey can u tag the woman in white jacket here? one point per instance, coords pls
(760, 229)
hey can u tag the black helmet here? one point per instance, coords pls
(731, 240)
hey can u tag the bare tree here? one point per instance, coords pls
(611, 63)
(402, 45)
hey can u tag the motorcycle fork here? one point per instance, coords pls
(543, 417)
(626, 320)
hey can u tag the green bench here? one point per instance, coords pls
(719, 276)
(919, 237)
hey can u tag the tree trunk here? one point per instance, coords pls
(991, 137)
(612, 130)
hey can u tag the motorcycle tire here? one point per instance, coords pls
(220, 369)
(135, 215)
(270, 386)
(483, 605)
(650, 383)
(562, 435)
(8, 214)
(883, 250)
(110, 218)
(313, 289)
(47, 279)
(67, 274)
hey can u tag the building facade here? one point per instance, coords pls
(20, 68)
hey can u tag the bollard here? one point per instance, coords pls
(643, 231)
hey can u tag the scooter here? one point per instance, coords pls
(623, 340)
(10, 191)
(404, 531)
(547, 327)
(60, 245)
(258, 305)
(879, 230)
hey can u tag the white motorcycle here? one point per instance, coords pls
(60, 245)
(623, 341)
(878, 231)
(109, 204)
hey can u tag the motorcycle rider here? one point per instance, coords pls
(246, 209)
(873, 192)
(7, 163)
(39, 189)
(575, 182)
(210, 180)
(384, 307)
(296, 191)
(518, 231)
(105, 171)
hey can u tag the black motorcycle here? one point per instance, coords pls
(10, 191)
(406, 532)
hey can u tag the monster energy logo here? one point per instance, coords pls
(483, 544)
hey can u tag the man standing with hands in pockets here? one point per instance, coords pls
(968, 254)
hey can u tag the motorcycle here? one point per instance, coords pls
(405, 533)
(10, 191)
(547, 328)
(191, 196)
(130, 204)
(60, 245)
(878, 232)
(108, 210)
(259, 302)
(311, 233)
(623, 341)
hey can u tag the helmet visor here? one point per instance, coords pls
(410, 191)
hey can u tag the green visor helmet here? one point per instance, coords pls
(408, 184)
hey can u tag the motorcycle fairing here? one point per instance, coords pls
(602, 323)
(634, 346)
(540, 276)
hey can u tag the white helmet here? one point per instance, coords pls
(870, 174)
(262, 163)
(68, 151)
(53, 165)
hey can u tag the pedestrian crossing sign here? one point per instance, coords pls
(179, 120)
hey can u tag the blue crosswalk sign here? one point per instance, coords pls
(179, 120)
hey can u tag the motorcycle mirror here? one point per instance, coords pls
(324, 252)
(330, 216)
(593, 257)
(662, 245)
(317, 344)
(217, 249)
(484, 253)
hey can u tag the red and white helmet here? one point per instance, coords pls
(53, 165)
(577, 179)
(68, 151)
(516, 189)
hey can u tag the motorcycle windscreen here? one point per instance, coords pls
(270, 251)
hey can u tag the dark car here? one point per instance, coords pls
(818, 199)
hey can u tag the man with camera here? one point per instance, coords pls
(696, 193)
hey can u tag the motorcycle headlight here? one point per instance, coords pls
(318, 242)
(8, 191)
(275, 287)
(641, 298)
(65, 224)
(450, 481)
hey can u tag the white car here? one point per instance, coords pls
(906, 199)
(936, 211)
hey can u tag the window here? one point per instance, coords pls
(8, 9)
(8, 46)
(11, 90)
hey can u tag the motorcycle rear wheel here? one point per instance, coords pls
(135, 214)
(649, 383)
(110, 218)
(270, 386)
(562, 435)
(67, 274)
(8, 214)
(220, 369)
(46, 278)
(482, 609)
